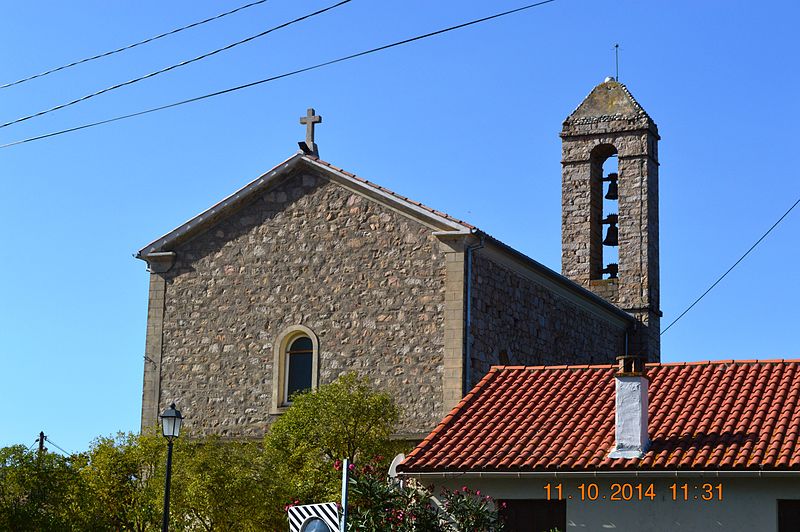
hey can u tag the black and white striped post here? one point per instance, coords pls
(324, 517)
(314, 517)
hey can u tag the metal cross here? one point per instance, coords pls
(309, 120)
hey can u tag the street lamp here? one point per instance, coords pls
(171, 420)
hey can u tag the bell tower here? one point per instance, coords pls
(609, 218)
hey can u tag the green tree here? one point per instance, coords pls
(220, 485)
(344, 419)
(216, 485)
(39, 491)
(124, 476)
(223, 485)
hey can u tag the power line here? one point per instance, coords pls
(173, 67)
(47, 438)
(134, 45)
(273, 78)
(696, 301)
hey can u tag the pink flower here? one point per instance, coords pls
(337, 465)
(351, 467)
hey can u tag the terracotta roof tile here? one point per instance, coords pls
(703, 416)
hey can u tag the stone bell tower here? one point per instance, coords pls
(609, 215)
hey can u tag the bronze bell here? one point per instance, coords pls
(612, 270)
(612, 236)
(613, 189)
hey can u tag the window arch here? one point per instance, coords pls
(295, 365)
(604, 201)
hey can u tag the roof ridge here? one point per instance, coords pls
(648, 364)
(388, 191)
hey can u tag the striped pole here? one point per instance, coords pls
(345, 475)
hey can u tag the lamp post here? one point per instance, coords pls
(171, 420)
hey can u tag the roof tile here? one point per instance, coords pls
(703, 416)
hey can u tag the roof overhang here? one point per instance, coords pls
(598, 474)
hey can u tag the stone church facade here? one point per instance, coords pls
(310, 272)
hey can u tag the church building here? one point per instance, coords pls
(309, 272)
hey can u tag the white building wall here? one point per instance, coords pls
(747, 505)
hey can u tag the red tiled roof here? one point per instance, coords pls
(723, 415)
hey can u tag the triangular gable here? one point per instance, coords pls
(609, 99)
(439, 221)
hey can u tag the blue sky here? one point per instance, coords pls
(466, 122)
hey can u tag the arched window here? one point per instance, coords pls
(295, 365)
(299, 362)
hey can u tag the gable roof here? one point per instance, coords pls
(275, 175)
(164, 246)
(706, 416)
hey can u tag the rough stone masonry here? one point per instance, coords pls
(420, 303)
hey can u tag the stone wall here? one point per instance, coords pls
(531, 324)
(609, 122)
(368, 281)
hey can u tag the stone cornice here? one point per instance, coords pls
(160, 262)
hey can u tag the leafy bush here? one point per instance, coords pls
(379, 504)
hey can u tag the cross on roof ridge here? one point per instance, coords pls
(309, 121)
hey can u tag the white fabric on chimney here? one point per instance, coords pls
(632, 439)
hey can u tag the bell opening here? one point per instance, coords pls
(610, 183)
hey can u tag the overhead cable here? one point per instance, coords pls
(273, 78)
(173, 67)
(48, 440)
(696, 301)
(129, 46)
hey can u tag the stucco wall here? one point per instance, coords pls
(747, 505)
(368, 281)
(533, 324)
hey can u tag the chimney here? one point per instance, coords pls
(631, 437)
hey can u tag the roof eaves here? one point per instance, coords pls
(216, 210)
(642, 473)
